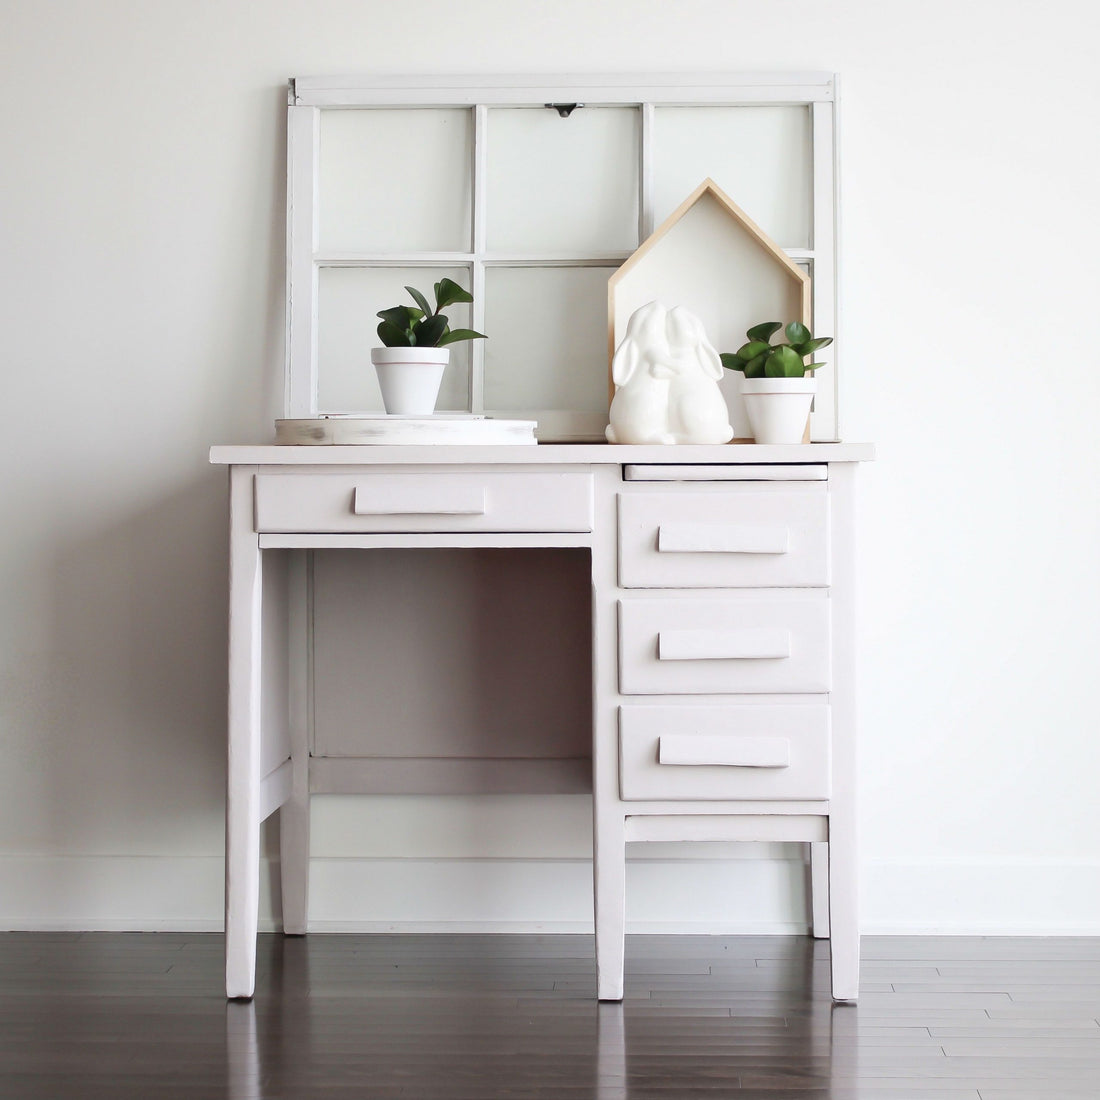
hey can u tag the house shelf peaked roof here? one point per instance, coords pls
(709, 188)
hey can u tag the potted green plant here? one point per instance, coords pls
(779, 385)
(410, 366)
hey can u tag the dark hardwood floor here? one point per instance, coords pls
(115, 1017)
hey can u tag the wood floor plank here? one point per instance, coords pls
(90, 1016)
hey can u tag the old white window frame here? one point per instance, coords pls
(308, 96)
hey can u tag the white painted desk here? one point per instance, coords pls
(722, 649)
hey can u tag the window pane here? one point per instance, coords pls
(396, 180)
(760, 156)
(547, 346)
(348, 299)
(563, 184)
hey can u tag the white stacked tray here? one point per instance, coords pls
(378, 429)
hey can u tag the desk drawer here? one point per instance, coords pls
(738, 537)
(724, 646)
(737, 751)
(424, 501)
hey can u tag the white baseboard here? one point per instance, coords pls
(126, 893)
(758, 895)
(994, 898)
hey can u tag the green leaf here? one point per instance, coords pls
(755, 367)
(784, 362)
(401, 316)
(392, 336)
(447, 292)
(426, 333)
(420, 300)
(810, 346)
(797, 333)
(752, 349)
(731, 361)
(765, 331)
(461, 334)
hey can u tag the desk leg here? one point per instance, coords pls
(819, 890)
(608, 812)
(609, 874)
(843, 912)
(294, 815)
(843, 849)
(242, 820)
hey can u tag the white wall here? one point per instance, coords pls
(141, 250)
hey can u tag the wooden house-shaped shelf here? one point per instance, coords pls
(712, 258)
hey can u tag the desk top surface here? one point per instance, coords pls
(595, 454)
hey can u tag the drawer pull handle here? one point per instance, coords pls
(718, 749)
(723, 645)
(419, 500)
(714, 538)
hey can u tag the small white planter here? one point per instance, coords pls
(409, 378)
(778, 408)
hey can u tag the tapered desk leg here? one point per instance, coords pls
(843, 913)
(294, 815)
(819, 890)
(294, 852)
(609, 873)
(242, 822)
(609, 823)
(843, 846)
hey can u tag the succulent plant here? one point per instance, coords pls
(421, 326)
(760, 358)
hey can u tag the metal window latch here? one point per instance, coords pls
(564, 109)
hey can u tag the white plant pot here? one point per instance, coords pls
(409, 378)
(778, 408)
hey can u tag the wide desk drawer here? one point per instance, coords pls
(736, 751)
(735, 537)
(425, 501)
(725, 646)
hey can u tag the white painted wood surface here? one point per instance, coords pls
(717, 828)
(444, 776)
(603, 454)
(718, 749)
(760, 644)
(469, 501)
(243, 808)
(608, 812)
(733, 472)
(843, 825)
(410, 497)
(683, 645)
(302, 216)
(536, 89)
(826, 414)
(726, 786)
(381, 430)
(819, 890)
(731, 751)
(745, 535)
(725, 538)
(275, 790)
(294, 821)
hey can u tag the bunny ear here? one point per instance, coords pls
(705, 352)
(625, 362)
(710, 360)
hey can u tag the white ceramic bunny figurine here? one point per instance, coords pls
(666, 381)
